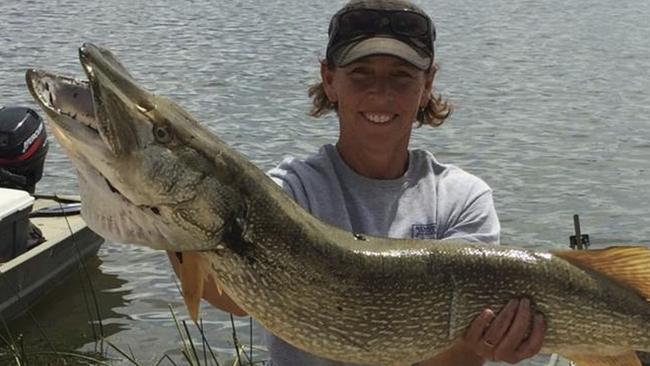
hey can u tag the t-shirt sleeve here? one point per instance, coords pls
(290, 183)
(477, 222)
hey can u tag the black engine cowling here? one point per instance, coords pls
(23, 147)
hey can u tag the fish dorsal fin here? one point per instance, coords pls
(629, 265)
(626, 359)
(192, 274)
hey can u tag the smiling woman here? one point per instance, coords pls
(377, 99)
(378, 77)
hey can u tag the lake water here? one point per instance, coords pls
(553, 111)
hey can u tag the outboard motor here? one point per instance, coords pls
(23, 146)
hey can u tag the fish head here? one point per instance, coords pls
(142, 177)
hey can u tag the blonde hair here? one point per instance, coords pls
(433, 114)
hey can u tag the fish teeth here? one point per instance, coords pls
(378, 117)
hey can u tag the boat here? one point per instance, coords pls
(28, 272)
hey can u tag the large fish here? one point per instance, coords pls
(150, 174)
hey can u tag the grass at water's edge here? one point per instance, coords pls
(13, 351)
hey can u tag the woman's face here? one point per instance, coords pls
(378, 98)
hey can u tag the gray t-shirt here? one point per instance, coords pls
(430, 201)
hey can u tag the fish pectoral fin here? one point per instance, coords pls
(193, 273)
(216, 284)
(625, 359)
(629, 265)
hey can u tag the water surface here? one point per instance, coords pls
(553, 111)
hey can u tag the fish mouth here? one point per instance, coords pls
(78, 118)
(69, 104)
(67, 101)
(109, 103)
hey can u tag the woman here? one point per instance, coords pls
(377, 77)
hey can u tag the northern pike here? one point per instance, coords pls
(150, 174)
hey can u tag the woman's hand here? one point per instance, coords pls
(505, 337)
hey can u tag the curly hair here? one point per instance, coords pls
(433, 114)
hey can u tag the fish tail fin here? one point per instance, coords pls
(624, 359)
(629, 265)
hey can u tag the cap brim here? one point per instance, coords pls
(381, 46)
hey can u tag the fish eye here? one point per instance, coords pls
(162, 134)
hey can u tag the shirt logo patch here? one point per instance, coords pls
(423, 231)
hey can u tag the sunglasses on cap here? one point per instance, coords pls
(412, 27)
